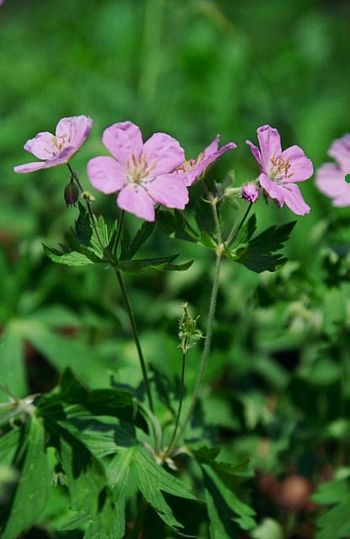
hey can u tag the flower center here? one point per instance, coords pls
(58, 143)
(189, 164)
(138, 168)
(280, 168)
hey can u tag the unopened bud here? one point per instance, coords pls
(71, 193)
(189, 334)
(250, 192)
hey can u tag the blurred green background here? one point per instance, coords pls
(193, 69)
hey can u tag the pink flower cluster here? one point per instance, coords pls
(143, 174)
(330, 177)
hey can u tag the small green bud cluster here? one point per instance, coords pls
(189, 334)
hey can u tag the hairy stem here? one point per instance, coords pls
(181, 397)
(122, 288)
(135, 335)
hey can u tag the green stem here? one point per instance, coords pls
(207, 344)
(181, 397)
(135, 532)
(123, 291)
(119, 231)
(135, 335)
(235, 230)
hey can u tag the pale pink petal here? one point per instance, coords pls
(255, 151)
(342, 201)
(272, 189)
(202, 164)
(301, 167)
(163, 153)
(213, 146)
(30, 167)
(294, 200)
(330, 180)
(340, 150)
(169, 190)
(74, 130)
(106, 174)
(42, 146)
(123, 139)
(133, 198)
(250, 192)
(270, 145)
(61, 159)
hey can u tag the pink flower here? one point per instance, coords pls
(250, 192)
(144, 174)
(281, 170)
(57, 149)
(330, 178)
(193, 169)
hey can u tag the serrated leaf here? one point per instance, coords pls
(228, 508)
(175, 225)
(141, 236)
(259, 254)
(153, 480)
(33, 488)
(99, 402)
(160, 264)
(69, 258)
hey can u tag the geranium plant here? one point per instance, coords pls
(125, 471)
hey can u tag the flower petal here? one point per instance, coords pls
(274, 190)
(169, 190)
(255, 151)
(106, 174)
(164, 153)
(270, 145)
(31, 167)
(330, 180)
(42, 146)
(301, 167)
(133, 198)
(294, 200)
(123, 139)
(340, 150)
(213, 146)
(202, 164)
(74, 130)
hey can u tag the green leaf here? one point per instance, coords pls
(33, 489)
(141, 236)
(8, 446)
(229, 508)
(66, 353)
(99, 402)
(13, 376)
(161, 264)
(68, 257)
(335, 522)
(153, 480)
(259, 254)
(175, 225)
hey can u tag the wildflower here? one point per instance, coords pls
(250, 192)
(57, 149)
(281, 170)
(144, 174)
(192, 169)
(330, 178)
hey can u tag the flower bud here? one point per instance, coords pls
(250, 192)
(71, 194)
(189, 334)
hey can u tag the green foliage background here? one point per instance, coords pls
(278, 386)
